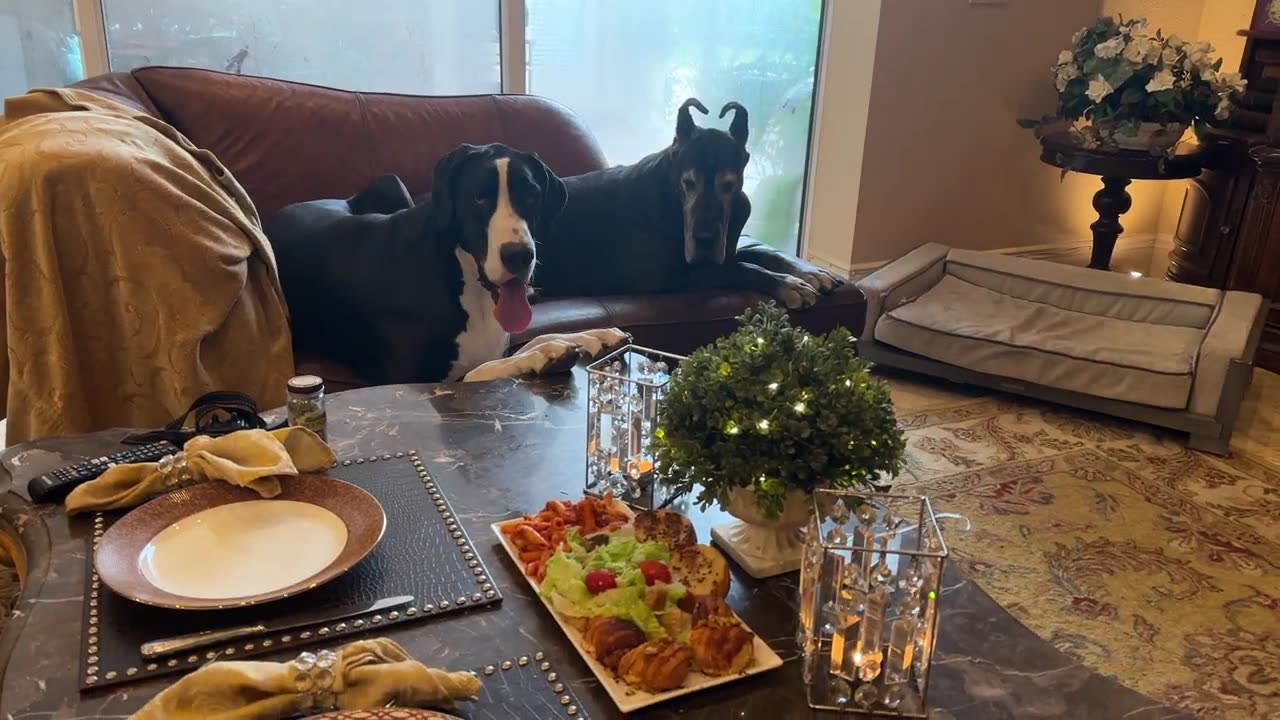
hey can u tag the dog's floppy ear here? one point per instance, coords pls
(737, 128)
(684, 121)
(442, 180)
(555, 196)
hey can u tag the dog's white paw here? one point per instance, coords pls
(486, 372)
(821, 280)
(560, 354)
(794, 293)
(596, 342)
(551, 355)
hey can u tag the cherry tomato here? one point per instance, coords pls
(600, 580)
(654, 571)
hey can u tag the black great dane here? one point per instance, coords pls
(428, 292)
(672, 221)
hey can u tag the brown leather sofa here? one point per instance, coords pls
(286, 142)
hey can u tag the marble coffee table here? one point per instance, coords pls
(498, 450)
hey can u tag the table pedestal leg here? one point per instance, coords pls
(1111, 202)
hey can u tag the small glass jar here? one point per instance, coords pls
(306, 404)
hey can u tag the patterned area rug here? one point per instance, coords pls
(1151, 563)
(9, 587)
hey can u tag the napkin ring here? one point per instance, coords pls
(174, 469)
(313, 679)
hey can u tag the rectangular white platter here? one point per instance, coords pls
(627, 698)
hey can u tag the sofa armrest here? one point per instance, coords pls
(121, 87)
(902, 280)
(1232, 336)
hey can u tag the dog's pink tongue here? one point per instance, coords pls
(512, 311)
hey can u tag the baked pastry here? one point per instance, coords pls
(702, 570)
(656, 666)
(722, 650)
(675, 621)
(721, 645)
(708, 607)
(610, 638)
(665, 526)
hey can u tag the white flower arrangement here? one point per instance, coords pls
(1117, 76)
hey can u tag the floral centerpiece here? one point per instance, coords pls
(1120, 86)
(761, 418)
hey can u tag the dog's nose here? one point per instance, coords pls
(517, 258)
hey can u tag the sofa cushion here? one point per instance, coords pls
(286, 141)
(1144, 300)
(963, 324)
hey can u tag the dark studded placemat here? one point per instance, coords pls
(523, 687)
(424, 553)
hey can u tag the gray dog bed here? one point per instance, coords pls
(1177, 356)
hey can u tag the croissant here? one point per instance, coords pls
(610, 638)
(656, 666)
(722, 650)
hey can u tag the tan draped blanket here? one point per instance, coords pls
(136, 275)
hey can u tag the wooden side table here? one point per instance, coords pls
(1117, 168)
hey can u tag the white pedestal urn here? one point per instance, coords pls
(764, 547)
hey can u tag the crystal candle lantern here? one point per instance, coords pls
(870, 583)
(624, 396)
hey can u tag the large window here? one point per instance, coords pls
(624, 65)
(38, 45)
(410, 46)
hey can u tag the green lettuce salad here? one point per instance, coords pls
(565, 584)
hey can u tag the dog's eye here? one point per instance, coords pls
(689, 185)
(726, 187)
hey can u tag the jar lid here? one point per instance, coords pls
(306, 384)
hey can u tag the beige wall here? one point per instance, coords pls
(1219, 22)
(849, 39)
(944, 159)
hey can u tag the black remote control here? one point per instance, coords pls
(55, 485)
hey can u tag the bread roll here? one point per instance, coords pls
(702, 570)
(665, 526)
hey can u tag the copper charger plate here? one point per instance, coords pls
(186, 549)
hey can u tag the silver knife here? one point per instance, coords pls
(168, 646)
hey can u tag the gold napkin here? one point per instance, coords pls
(360, 675)
(250, 458)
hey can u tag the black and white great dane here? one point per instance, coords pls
(428, 292)
(672, 221)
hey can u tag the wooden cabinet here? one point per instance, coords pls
(1255, 264)
(1228, 233)
(1212, 216)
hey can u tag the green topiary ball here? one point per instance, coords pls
(773, 408)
